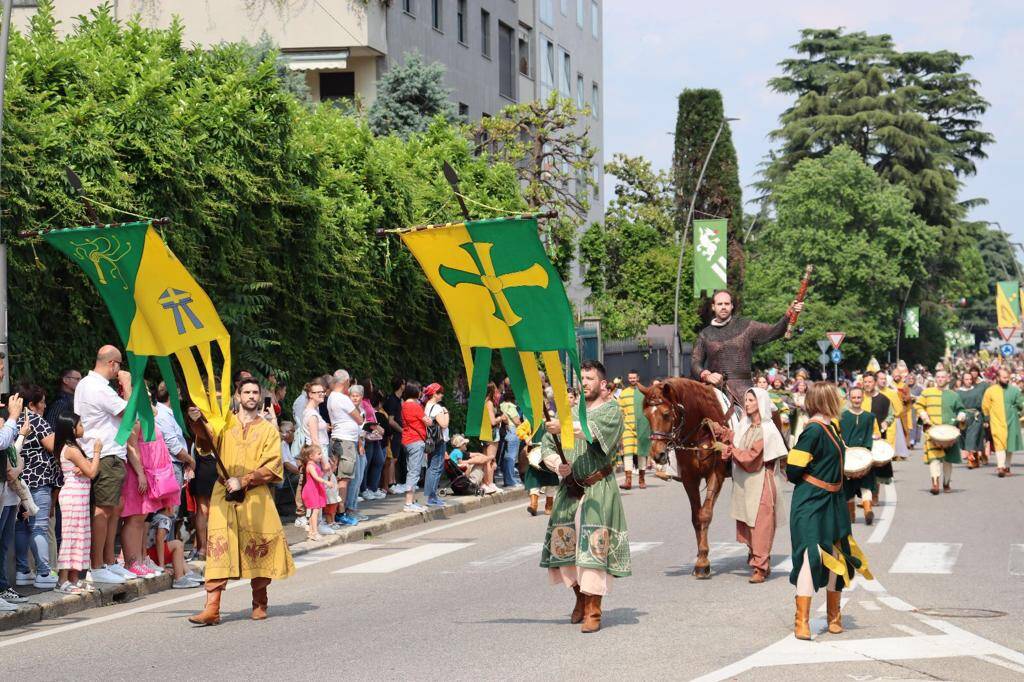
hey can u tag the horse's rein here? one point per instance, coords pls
(675, 439)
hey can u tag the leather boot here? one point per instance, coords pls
(835, 619)
(532, 507)
(802, 625)
(869, 516)
(643, 483)
(851, 507)
(1001, 472)
(935, 486)
(946, 488)
(210, 615)
(259, 598)
(592, 613)
(628, 485)
(549, 504)
(578, 611)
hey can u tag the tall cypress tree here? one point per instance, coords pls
(700, 113)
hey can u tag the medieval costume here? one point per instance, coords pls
(543, 479)
(859, 430)
(245, 539)
(727, 347)
(757, 505)
(1002, 407)
(972, 440)
(895, 435)
(940, 406)
(636, 438)
(879, 405)
(824, 552)
(586, 541)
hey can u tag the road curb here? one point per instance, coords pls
(49, 605)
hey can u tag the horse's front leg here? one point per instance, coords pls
(691, 482)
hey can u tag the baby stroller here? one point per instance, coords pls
(461, 484)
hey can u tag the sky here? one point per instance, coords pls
(656, 48)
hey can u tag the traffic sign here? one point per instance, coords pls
(1005, 332)
(788, 357)
(837, 356)
(1006, 350)
(823, 345)
(836, 338)
(823, 359)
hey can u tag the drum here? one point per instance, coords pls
(857, 463)
(943, 435)
(881, 453)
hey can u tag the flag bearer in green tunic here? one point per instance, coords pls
(939, 405)
(860, 430)
(1002, 406)
(587, 542)
(972, 441)
(824, 552)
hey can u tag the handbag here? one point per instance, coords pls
(156, 464)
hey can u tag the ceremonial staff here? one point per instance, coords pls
(572, 486)
(793, 314)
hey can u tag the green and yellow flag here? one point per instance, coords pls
(159, 310)
(502, 293)
(1007, 306)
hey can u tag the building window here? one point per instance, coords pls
(565, 77)
(435, 15)
(595, 101)
(597, 181)
(595, 26)
(485, 33)
(460, 21)
(506, 62)
(565, 8)
(547, 67)
(463, 111)
(525, 40)
(547, 12)
(581, 95)
(409, 7)
(337, 85)
(579, 12)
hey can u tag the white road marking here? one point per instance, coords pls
(842, 605)
(870, 585)
(870, 606)
(1016, 559)
(913, 632)
(895, 603)
(927, 557)
(994, 660)
(784, 566)
(454, 524)
(406, 558)
(886, 513)
(503, 560)
(641, 547)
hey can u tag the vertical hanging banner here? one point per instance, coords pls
(502, 293)
(159, 310)
(1007, 307)
(912, 322)
(709, 256)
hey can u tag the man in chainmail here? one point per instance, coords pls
(724, 349)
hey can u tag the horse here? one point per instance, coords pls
(681, 413)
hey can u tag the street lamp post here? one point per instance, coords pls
(682, 244)
(5, 32)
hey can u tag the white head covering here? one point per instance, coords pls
(774, 446)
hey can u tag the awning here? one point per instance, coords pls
(332, 60)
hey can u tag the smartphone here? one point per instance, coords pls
(4, 397)
(266, 403)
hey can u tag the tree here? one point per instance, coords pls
(409, 96)
(719, 196)
(551, 152)
(999, 265)
(865, 242)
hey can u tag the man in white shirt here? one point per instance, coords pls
(346, 424)
(101, 409)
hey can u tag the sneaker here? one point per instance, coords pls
(381, 493)
(45, 582)
(24, 579)
(360, 517)
(347, 520)
(104, 575)
(185, 583)
(68, 587)
(118, 569)
(137, 569)
(192, 575)
(397, 489)
(436, 503)
(370, 495)
(7, 606)
(84, 586)
(414, 507)
(360, 498)
(336, 527)
(302, 522)
(151, 565)
(490, 489)
(9, 595)
(324, 529)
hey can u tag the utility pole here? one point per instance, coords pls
(5, 34)
(682, 244)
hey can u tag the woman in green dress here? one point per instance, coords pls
(824, 552)
(972, 438)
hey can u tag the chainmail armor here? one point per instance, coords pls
(728, 349)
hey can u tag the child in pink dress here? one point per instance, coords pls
(76, 536)
(314, 496)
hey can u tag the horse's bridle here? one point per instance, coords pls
(675, 439)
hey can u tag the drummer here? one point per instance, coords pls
(878, 404)
(859, 430)
(939, 405)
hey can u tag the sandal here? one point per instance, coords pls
(68, 587)
(314, 538)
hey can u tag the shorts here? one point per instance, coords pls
(106, 487)
(347, 454)
(168, 555)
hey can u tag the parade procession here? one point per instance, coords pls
(495, 336)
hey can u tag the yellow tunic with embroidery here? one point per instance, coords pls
(895, 411)
(626, 402)
(246, 540)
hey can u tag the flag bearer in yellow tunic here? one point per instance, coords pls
(636, 438)
(939, 405)
(894, 435)
(245, 539)
(1002, 405)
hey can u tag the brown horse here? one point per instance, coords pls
(681, 412)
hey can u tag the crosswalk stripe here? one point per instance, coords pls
(320, 555)
(506, 559)
(870, 606)
(784, 566)
(641, 547)
(1016, 559)
(895, 603)
(887, 511)
(406, 558)
(927, 557)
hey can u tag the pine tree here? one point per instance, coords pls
(409, 96)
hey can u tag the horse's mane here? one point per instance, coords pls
(697, 397)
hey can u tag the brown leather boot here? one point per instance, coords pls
(869, 516)
(578, 611)
(758, 576)
(210, 615)
(851, 507)
(592, 613)
(835, 619)
(549, 504)
(532, 507)
(802, 625)
(1001, 472)
(259, 598)
(628, 485)
(935, 486)
(946, 488)
(643, 483)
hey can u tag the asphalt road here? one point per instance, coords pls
(464, 599)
